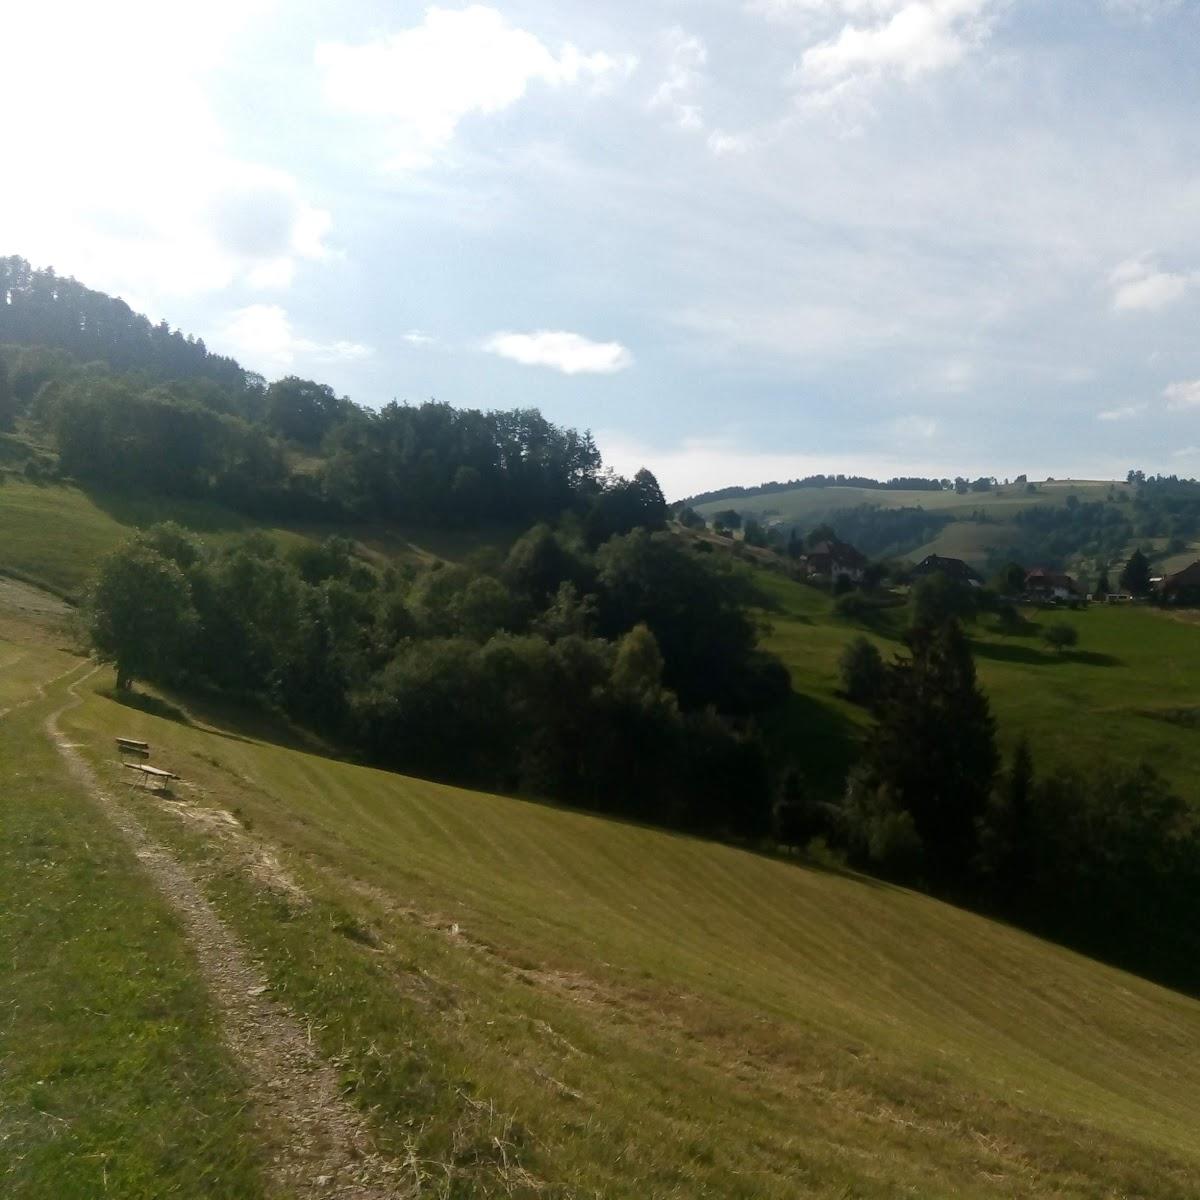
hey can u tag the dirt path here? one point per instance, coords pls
(319, 1144)
(40, 690)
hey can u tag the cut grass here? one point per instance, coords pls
(112, 1078)
(54, 534)
(542, 1001)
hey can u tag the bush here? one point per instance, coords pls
(1060, 636)
(862, 672)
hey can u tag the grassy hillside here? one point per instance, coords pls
(54, 534)
(113, 1079)
(1126, 692)
(539, 1002)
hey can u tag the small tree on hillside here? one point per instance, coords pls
(1060, 636)
(8, 400)
(140, 614)
(727, 518)
(862, 672)
(1135, 577)
(934, 748)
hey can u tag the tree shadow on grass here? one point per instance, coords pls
(1007, 652)
(142, 509)
(1092, 658)
(155, 706)
(823, 741)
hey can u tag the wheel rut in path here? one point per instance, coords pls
(319, 1144)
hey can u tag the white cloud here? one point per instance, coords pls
(262, 337)
(137, 190)
(1186, 452)
(415, 337)
(687, 56)
(1183, 394)
(426, 79)
(1121, 414)
(567, 352)
(898, 41)
(698, 464)
(1139, 287)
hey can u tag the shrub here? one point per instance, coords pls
(1060, 636)
(862, 672)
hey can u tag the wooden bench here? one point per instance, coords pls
(133, 746)
(150, 777)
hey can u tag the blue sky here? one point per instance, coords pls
(741, 240)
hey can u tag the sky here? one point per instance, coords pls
(739, 241)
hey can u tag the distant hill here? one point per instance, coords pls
(1082, 525)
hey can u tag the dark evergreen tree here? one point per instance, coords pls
(934, 748)
(8, 400)
(1135, 576)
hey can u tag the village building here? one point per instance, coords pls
(1183, 587)
(952, 568)
(834, 560)
(1050, 585)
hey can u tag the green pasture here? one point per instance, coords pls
(1128, 691)
(113, 1081)
(534, 1001)
(810, 504)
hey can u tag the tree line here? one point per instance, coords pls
(625, 679)
(1107, 861)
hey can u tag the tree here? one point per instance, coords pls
(301, 410)
(862, 672)
(1135, 576)
(934, 748)
(1103, 587)
(937, 599)
(1010, 579)
(753, 533)
(822, 533)
(1060, 636)
(727, 518)
(8, 400)
(140, 614)
(1008, 833)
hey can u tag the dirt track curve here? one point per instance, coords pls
(320, 1146)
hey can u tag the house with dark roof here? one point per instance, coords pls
(952, 568)
(1050, 585)
(834, 560)
(1183, 587)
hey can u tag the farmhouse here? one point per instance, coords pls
(952, 568)
(834, 560)
(1183, 587)
(1050, 585)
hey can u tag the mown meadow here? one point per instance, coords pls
(560, 1004)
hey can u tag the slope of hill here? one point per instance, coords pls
(979, 523)
(533, 1001)
(1126, 693)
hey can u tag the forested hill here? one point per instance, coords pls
(125, 405)
(38, 307)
